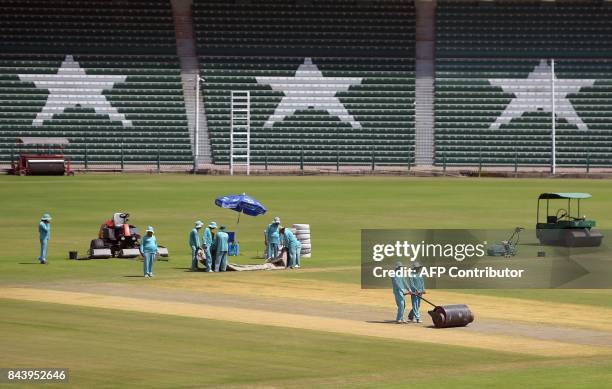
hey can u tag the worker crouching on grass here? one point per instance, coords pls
(194, 243)
(416, 288)
(44, 233)
(400, 289)
(148, 249)
(293, 248)
(221, 247)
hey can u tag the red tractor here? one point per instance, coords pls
(116, 238)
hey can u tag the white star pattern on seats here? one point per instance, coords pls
(309, 89)
(532, 94)
(70, 87)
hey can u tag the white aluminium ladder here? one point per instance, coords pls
(240, 131)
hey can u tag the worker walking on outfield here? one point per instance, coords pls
(293, 248)
(221, 246)
(207, 237)
(400, 289)
(44, 234)
(416, 288)
(194, 243)
(273, 238)
(148, 249)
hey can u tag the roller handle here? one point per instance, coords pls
(427, 301)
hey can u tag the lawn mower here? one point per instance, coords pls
(118, 238)
(506, 248)
(563, 229)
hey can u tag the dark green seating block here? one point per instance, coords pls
(481, 113)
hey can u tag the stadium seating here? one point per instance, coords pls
(352, 99)
(103, 74)
(81, 26)
(480, 68)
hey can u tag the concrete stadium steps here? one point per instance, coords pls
(186, 51)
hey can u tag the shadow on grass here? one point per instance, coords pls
(188, 269)
(394, 322)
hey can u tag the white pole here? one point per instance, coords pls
(232, 135)
(554, 121)
(196, 137)
(248, 145)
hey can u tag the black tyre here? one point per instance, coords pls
(97, 244)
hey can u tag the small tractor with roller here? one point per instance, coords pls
(118, 238)
(561, 228)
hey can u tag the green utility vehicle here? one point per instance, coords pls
(563, 229)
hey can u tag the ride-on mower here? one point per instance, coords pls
(563, 229)
(118, 238)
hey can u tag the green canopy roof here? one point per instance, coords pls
(548, 196)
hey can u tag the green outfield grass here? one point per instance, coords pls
(109, 348)
(337, 208)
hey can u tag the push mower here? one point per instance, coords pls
(506, 248)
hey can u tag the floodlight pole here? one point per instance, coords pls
(554, 121)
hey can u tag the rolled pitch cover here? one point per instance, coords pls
(445, 316)
(302, 233)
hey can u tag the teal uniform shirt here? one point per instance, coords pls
(208, 237)
(273, 234)
(416, 284)
(148, 244)
(290, 240)
(400, 286)
(221, 241)
(44, 230)
(194, 238)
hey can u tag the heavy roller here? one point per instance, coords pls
(445, 316)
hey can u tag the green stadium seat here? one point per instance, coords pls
(509, 42)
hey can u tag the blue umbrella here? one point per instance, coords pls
(241, 204)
